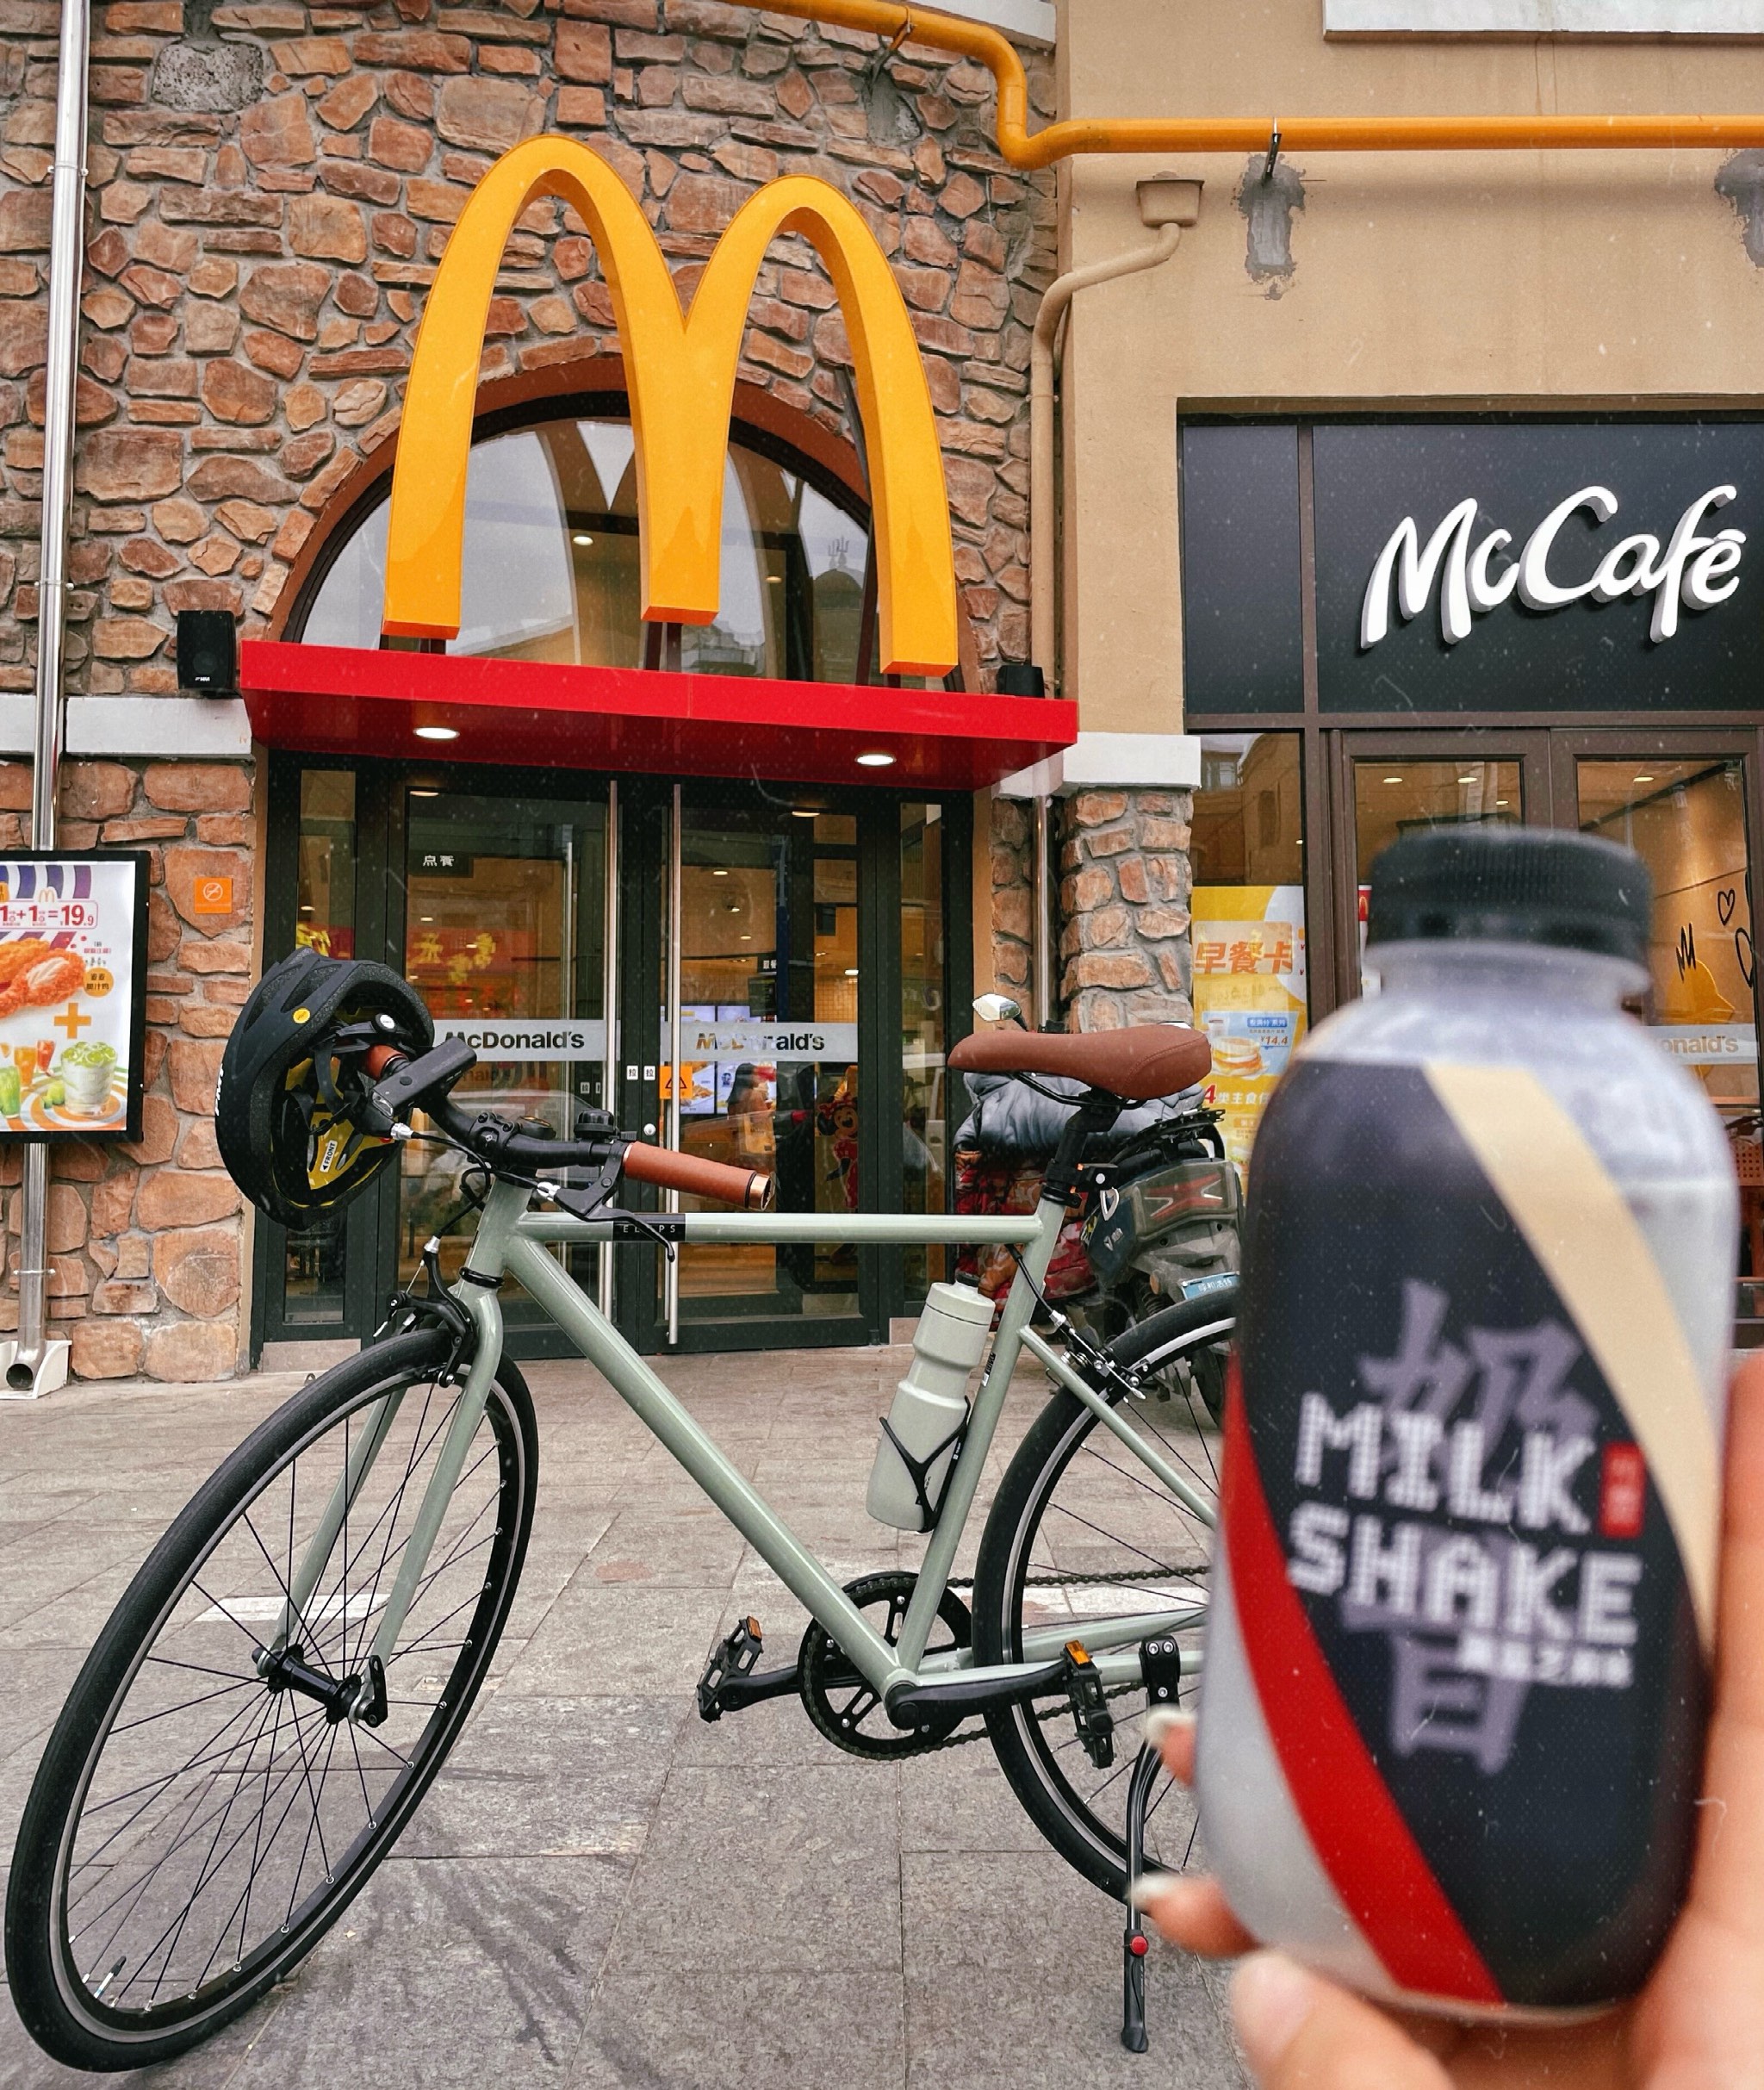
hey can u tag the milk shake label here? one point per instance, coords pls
(1445, 1530)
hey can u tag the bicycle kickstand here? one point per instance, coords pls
(1135, 1944)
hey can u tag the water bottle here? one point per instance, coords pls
(1457, 1663)
(921, 1431)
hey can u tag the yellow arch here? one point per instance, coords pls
(680, 372)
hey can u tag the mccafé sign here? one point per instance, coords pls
(1696, 567)
(680, 374)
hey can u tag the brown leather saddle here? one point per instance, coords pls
(1145, 1060)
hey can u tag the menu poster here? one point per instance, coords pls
(73, 977)
(1249, 992)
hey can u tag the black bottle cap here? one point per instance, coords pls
(1513, 884)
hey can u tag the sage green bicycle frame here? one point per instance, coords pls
(514, 1242)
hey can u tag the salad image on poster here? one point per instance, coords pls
(72, 972)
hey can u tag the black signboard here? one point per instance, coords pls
(1487, 566)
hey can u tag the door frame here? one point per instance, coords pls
(640, 839)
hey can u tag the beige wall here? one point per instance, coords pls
(1469, 279)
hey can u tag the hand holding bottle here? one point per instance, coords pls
(1698, 2025)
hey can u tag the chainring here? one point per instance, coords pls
(847, 1710)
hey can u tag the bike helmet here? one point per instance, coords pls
(292, 1072)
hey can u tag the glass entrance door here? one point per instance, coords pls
(504, 925)
(765, 1028)
(1686, 817)
(1397, 785)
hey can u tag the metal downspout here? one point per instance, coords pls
(66, 243)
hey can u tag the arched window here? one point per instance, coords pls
(551, 566)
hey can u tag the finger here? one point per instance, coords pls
(1191, 1913)
(1731, 1853)
(1173, 1735)
(1301, 2032)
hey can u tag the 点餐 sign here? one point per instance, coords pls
(72, 980)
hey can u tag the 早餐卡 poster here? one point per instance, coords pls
(72, 979)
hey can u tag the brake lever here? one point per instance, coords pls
(582, 1205)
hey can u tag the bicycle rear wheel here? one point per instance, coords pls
(205, 1810)
(1080, 1533)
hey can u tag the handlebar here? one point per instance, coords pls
(403, 1084)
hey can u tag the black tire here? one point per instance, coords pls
(1049, 1530)
(188, 1624)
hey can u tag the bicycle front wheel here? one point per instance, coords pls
(218, 1788)
(1081, 1534)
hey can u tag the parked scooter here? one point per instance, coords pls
(1157, 1218)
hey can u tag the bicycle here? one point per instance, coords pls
(285, 1675)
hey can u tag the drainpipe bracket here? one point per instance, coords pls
(49, 1374)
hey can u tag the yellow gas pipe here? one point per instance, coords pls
(1028, 149)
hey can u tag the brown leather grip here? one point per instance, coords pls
(697, 1177)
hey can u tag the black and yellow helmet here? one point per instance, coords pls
(294, 1068)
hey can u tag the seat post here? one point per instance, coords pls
(1096, 1113)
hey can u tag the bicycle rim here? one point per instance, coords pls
(1090, 1534)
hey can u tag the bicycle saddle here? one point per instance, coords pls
(1145, 1060)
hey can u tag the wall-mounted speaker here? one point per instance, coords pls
(208, 653)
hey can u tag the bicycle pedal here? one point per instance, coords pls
(1089, 1705)
(733, 1656)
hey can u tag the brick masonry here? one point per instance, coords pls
(271, 186)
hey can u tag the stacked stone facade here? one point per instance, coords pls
(271, 186)
(146, 1240)
(1124, 900)
(255, 274)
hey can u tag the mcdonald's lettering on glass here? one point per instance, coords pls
(681, 368)
(1458, 1655)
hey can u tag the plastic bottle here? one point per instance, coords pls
(1457, 1663)
(922, 1432)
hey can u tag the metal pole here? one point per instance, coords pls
(609, 1012)
(676, 875)
(1041, 883)
(66, 242)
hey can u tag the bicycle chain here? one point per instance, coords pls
(962, 1737)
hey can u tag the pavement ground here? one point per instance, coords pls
(601, 1890)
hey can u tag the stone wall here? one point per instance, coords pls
(146, 1240)
(1124, 903)
(272, 184)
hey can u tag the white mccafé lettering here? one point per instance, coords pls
(1692, 569)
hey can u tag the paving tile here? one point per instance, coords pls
(549, 1777)
(601, 1637)
(1012, 1959)
(447, 1974)
(754, 2028)
(799, 1864)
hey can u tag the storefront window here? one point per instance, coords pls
(324, 920)
(1248, 906)
(550, 563)
(925, 1128)
(1687, 820)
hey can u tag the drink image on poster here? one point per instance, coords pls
(73, 957)
(1249, 993)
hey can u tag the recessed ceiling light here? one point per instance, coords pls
(804, 813)
(851, 972)
(425, 917)
(1499, 802)
(1472, 779)
(425, 795)
(747, 939)
(1644, 780)
(436, 733)
(719, 873)
(774, 580)
(309, 911)
(1392, 780)
(876, 761)
(581, 536)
